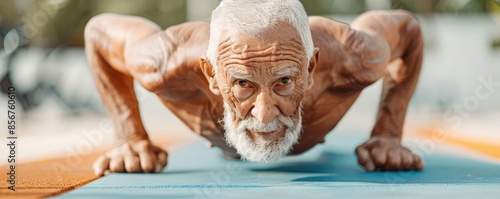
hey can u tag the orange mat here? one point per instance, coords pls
(48, 178)
(52, 177)
(489, 149)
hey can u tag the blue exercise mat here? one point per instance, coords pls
(324, 172)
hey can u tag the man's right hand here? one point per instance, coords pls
(125, 40)
(133, 157)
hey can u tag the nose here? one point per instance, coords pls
(265, 110)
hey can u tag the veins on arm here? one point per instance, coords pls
(148, 59)
(364, 59)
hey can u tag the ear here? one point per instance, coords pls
(208, 71)
(312, 67)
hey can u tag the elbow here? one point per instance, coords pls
(92, 27)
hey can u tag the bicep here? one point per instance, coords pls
(397, 27)
(132, 46)
(110, 35)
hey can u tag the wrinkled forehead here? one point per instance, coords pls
(279, 43)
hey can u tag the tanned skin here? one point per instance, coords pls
(171, 63)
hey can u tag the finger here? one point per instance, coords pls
(162, 157)
(406, 159)
(158, 167)
(393, 159)
(364, 159)
(148, 161)
(379, 156)
(132, 164)
(363, 155)
(116, 165)
(370, 166)
(418, 164)
(101, 165)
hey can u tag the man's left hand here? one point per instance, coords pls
(386, 153)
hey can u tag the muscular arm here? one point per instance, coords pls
(403, 36)
(114, 45)
(378, 44)
(402, 33)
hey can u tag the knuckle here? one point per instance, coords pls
(378, 156)
(98, 163)
(393, 161)
(143, 146)
(125, 149)
(162, 157)
(98, 160)
(128, 147)
(148, 168)
(408, 158)
(116, 165)
(362, 161)
(359, 149)
(113, 168)
(406, 163)
(416, 158)
(129, 168)
(381, 142)
(378, 160)
(132, 168)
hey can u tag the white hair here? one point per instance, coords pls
(255, 16)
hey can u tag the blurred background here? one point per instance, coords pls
(42, 56)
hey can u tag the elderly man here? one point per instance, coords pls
(261, 81)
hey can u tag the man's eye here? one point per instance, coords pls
(242, 83)
(285, 81)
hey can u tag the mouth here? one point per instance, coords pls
(270, 136)
(267, 133)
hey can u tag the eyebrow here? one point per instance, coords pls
(239, 74)
(286, 70)
(280, 72)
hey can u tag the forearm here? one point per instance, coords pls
(106, 37)
(393, 105)
(402, 33)
(117, 91)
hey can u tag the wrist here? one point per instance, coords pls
(385, 136)
(131, 138)
(391, 131)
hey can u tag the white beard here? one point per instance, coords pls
(261, 150)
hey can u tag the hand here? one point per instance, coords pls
(133, 157)
(386, 153)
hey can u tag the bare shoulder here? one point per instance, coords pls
(190, 34)
(325, 22)
(350, 58)
(167, 63)
(398, 27)
(390, 18)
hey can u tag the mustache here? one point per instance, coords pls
(254, 125)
